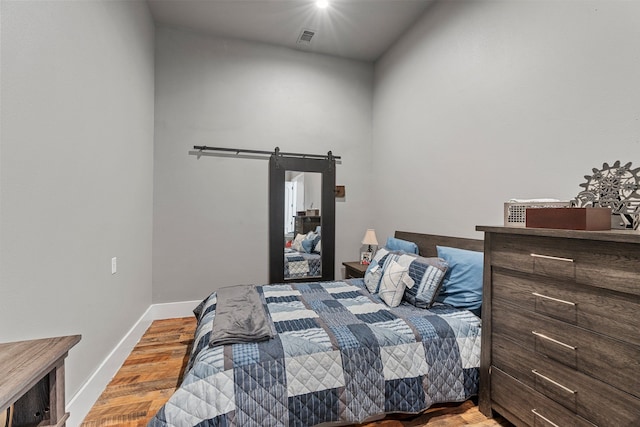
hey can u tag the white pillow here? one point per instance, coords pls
(318, 248)
(296, 245)
(394, 281)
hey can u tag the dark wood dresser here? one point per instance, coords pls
(305, 224)
(561, 327)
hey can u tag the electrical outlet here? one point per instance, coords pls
(114, 265)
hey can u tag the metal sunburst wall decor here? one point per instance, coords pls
(616, 187)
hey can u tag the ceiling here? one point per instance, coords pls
(357, 29)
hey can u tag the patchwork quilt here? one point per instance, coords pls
(340, 356)
(301, 264)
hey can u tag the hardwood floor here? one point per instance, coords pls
(147, 378)
(153, 370)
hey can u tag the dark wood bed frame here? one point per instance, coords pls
(427, 242)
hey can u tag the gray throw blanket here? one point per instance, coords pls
(240, 317)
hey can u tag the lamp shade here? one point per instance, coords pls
(370, 237)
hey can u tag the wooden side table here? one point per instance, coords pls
(354, 270)
(32, 377)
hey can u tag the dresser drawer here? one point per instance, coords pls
(608, 313)
(610, 265)
(528, 406)
(590, 398)
(607, 359)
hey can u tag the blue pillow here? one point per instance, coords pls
(316, 240)
(308, 245)
(462, 284)
(394, 244)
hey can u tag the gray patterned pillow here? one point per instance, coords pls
(428, 274)
(374, 272)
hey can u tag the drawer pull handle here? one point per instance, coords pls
(552, 257)
(538, 334)
(552, 299)
(544, 418)
(567, 389)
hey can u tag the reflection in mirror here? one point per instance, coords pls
(303, 225)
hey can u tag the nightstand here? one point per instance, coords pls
(32, 376)
(354, 270)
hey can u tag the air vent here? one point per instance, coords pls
(306, 36)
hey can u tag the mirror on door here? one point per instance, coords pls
(303, 225)
(301, 219)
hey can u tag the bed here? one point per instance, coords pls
(337, 355)
(299, 264)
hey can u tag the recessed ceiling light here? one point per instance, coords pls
(322, 4)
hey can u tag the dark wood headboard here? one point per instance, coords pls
(427, 242)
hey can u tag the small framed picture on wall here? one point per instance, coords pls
(365, 257)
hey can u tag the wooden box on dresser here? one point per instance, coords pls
(561, 327)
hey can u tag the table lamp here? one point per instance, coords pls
(370, 239)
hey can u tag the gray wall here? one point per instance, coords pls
(313, 191)
(75, 173)
(210, 214)
(483, 101)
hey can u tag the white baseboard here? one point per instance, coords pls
(173, 309)
(82, 402)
